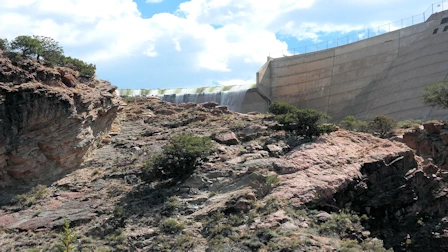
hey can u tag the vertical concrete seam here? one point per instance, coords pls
(331, 81)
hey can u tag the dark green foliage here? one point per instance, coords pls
(67, 238)
(382, 125)
(281, 108)
(85, 69)
(27, 45)
(408, 124)
(49, 49)
(4, 44)
(350, 123)
(327, 128)
(171, 226)
(436, 95)
(342, 223)
(179, 158)
(303, 122)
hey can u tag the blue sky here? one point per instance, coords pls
(177, 43)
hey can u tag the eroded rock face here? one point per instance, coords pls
(47, 126)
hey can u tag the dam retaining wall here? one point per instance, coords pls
(385, 74)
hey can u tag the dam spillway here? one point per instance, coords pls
(240, 98)
(385, 74)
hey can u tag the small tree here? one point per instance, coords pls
(382, 125)
(281, 108)
(49, 50)
(436, 95)
(67, 238)
(26, 45)
(350, 123)
(179, 158)
(4, 44)
(303, 122)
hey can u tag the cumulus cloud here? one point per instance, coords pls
(229, 37)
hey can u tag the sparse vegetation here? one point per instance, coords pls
(436, 95)
(350, 123)
(84, 69)
(67, 238)
(303, 122)
(46, 48)
(382, 125)
(179, 158)
(27, 199)
(341, 223)
(171, 226)
(409, 124)
(4, 44)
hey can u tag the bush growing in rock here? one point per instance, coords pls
(171, 226)
(350, 123)
(436, 95)
(382, 125)
(85, 69)
(36, 193)
(281, 108)
(303, 122)
(4, 44)
(179, 158)
(408, 124)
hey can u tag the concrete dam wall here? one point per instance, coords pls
(385, 74)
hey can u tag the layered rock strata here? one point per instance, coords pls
(50, 118)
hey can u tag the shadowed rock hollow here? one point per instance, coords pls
(50, 118)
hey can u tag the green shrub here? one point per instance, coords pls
(327, 128)
(350, 123)
(171, 226)
(27, 199)
(118, 211)
(272, 180)
(303, 122)
(436, 95)
(408, 124)
(4, 45)
(85, 69)
(341, 223)
(382, 125)
(179, 158)
(67, 238)
(281, 108)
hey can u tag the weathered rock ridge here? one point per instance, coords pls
(262, 189)
(49, 120)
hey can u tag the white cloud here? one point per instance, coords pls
(228, 37)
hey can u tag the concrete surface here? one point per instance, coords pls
(385, 74)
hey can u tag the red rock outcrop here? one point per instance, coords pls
(48, 121)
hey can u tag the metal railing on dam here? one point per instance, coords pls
(364, 33)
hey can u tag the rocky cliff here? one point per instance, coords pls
(50, 118)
